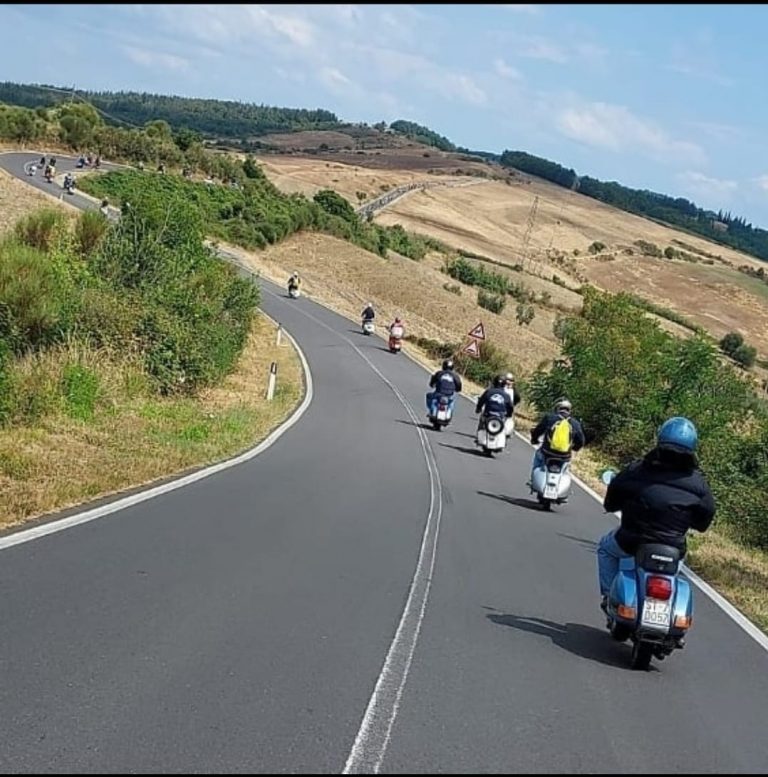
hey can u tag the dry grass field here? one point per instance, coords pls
(490, 219)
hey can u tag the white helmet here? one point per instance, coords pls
(563, 405)
(509, 378)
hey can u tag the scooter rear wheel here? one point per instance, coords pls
(620, 632)
(642, 652)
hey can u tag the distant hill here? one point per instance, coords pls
(209, 117)
(250, 124)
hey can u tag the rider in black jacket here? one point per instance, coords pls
(661, 497)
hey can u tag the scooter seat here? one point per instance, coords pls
(657, 557)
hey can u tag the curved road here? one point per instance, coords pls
(241, 624)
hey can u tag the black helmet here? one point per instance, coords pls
(447, 364)
(499, 381)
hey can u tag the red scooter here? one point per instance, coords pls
(396, 333)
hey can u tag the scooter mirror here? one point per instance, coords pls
(607, 476)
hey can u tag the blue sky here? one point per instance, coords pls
(666, 97)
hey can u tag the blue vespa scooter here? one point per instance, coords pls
(649, 602)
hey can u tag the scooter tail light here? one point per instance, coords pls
(683, 621)
(630, 613)
(658, 588)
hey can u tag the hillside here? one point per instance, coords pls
(490, 220)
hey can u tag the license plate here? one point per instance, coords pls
(442, 415)
(656, 613)
(550, 492)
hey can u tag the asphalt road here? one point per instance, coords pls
(241, 624)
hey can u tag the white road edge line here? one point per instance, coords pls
(27, 535)
(373, 736)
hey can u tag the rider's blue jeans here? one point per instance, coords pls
(609, 555)
(432, 397)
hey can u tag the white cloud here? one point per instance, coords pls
(697, 58)
(707, 188)
(539, 48)
(155, 58)
(762, 182)
(616, 128)
(464, 87)
(330, 76)
(506, 71)
(726, 133)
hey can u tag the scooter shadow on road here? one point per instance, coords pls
(472, 451)
(588, 545)
(577, 638)
(428, 427)
(529, 504)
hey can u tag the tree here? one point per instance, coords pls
(731, 343)
(159, 129)
(251, 168)
(186, 138)
(333, 203)
(745, 355)
(79, 122)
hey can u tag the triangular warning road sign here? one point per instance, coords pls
(478, 332)
(473, 349)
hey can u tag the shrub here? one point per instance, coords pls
(596, 247)
(80, 387)
(731, 343)
(745, 355)
(31, 297)
(90, 230)
(524, 314)
(40, 229)
(493, 302)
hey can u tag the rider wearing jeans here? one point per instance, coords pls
(445, 382)
(495, 401)
(661, 497)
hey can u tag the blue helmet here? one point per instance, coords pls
(679, 432)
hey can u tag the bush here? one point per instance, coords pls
(525, 314)
(454, 288)
(31, 297)
(596, 247)
(731, 343)
(472, 275)
(493, 302)
(490, 363)
(648, 249)
(745, 355)
(90, 230)
(40, 229)
(80, 387)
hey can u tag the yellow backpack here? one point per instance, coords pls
(560, 436)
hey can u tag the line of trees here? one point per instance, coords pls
(676, 211)
(422, 134)
(227, 118)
